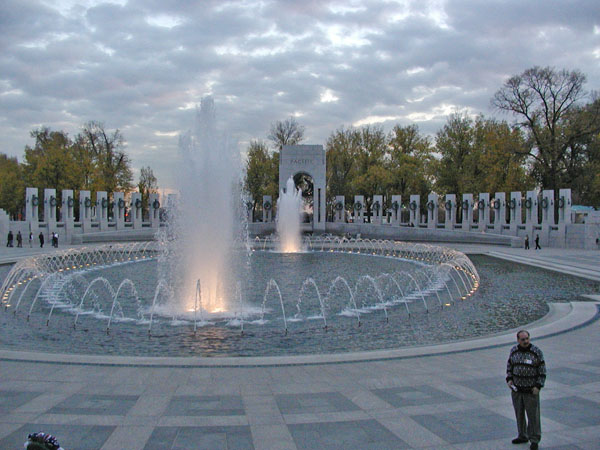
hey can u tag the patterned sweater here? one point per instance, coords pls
(526, 368)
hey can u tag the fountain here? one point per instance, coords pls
(204, 276)
(196, 248)
(289, 209)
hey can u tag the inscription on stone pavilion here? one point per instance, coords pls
(301, 162)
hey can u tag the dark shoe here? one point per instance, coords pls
(519, 440)
(534, 446)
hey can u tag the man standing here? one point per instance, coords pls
(41, 237)
(537, 242)
(525, 376)
(526, 242)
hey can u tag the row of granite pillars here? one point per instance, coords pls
(492, 212)
(93, 214)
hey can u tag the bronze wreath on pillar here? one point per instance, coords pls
(430, 205)
(481, 204)
(121, 203)
(339, 206)
(448, 205)
(357, 206)
(413, 205)
(267, 206)
(88, 202)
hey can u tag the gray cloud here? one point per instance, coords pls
(142, 65)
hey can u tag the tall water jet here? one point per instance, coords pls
(203, 223)
(289, 210)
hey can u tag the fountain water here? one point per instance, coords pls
(289, 208)
(197, 245)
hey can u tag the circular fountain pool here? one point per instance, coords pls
(321, 301)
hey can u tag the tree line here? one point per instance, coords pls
(552, 142)
(95, 160)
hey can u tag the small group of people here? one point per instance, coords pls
(537, 242)
(11, 237)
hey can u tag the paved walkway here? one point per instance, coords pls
(450, 396)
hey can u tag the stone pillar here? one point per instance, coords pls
(248, 205)
(5, 226)
(67, 210)
(154, 209)
(415, 210)
(102, 210)
(547, 205)
(547, 210)
(267, 205)
(450, 208)
(432, 210)
(377, 209)
(359, 209)
(172, 200)
(396, 208)
(564, 206)
(467, 212)
(319, 207)
(531, 208)
(32, 209)
(136, 210)
(483, 210)
(85, 210)
(119, 210)
(499, 206)
(50, 204)
(339, 212)
(531, 213)
(515, 212)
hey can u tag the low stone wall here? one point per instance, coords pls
(422, 234)
(147, 234)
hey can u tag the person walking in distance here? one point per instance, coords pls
(19, 239)
(41, 237)
(537, 242)
(30, 239)
(526, 242)
(526, 376)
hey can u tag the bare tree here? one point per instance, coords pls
(548, 105)
(287, 132)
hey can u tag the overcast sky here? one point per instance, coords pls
(143, 65)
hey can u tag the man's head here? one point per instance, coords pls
(523, 338)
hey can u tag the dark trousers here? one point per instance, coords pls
(527, 404)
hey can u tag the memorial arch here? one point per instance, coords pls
(310, 160)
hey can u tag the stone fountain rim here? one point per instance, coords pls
(561, 318)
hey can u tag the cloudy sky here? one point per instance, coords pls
(143, 65)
